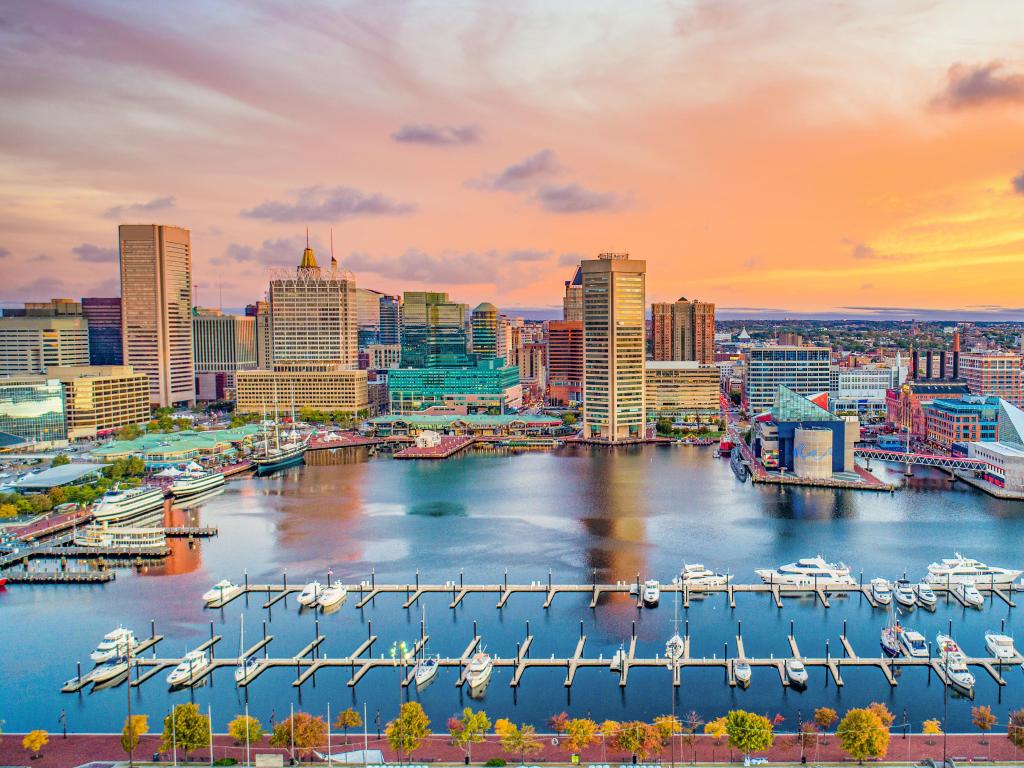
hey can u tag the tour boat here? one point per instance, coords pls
(425, 671)
(123, 537)
(651, 593)
(333, 596)
(1000, 646)
(960, 569)
(796, 672)
(219, 590)
(890, 636)
(618, 659)
(914, 644)
(190, 667)
(741, 670)
(969, 594)
(310, 594)
(925, 596)
(121, 503)
(954, 664)
(195, 480)
(108, 670)
(808, 572)
(904, 594)
(695, 576)
(114, 644)
(478, 673)
(881, 592)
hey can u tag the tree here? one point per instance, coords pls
(468, 730)
(129, 432)
(557, 722)
(568, 419)
(1015, 728)
(688, 733)
(637, 738)
(983, 720)
(883, 713)
(824, 717)
(664, 426)
(245, 730)
(667, 726)
(34, 742)
(348, 718)
(931, 728)
(186, 728)
(806, 737)
(309, 733)
(749, 732)
(503, 726)
(406, 732)
(579, 734)
(862, 734)
(60, 460)
(715, 728)
(521, 741)
(135, 727)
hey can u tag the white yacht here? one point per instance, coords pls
(108, 670)
(809, 572)
(115, 643)
(695, 576)
(913, 644)
(105, 535)
(970, 595)
(332, 596)
(478, 673)
(310, 594)
(954, 664)
(741, 669)
(796, 672)
(618, 659)
(959, 569)
(245, 670)
(195, 480)
(188, 669)
(651, 593)
(881, 591)
(122, 503)
(904, 594)
(218, 591)
(425, 671)
(1000, 646)
(925, 596)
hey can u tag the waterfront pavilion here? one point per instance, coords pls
(167, 449)
(477, 425)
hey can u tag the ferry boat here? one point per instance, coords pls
(969, 594)
(959, 569)
(796, 672)
(695, 575)
(186, 672)
(195, 480)
(881, 592)
(651, 594)
(122, 503)
(478, 673)
(425, 671)
(114, 644)
(1000, 646)
(809, 572)
(954, 664)
(219, 590)
(913, 644)
(104, 535)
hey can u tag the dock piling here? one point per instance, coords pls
(152, 628)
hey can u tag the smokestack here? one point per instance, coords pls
(928, 364)
(913, 363)
(942, 364)
(956, 354)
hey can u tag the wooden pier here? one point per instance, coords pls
(186, 531)
(59, 577)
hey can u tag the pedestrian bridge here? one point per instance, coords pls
(924, 459)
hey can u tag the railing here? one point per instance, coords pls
(926, 459)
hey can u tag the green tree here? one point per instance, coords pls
(521, 740)
(187, 728)
(60, 460)
(135, 727)
(862, 734)
(245, 729)
(664, 426)
(637, 738)
(580, 733)
(407, 732)
(303, 731)
(468, 730)
(568, 419)
(749, 732)
(129, 432)
(34, 742)
(348, 718)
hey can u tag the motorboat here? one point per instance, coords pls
(696, 576)
(122, 503)
(651, 593)
(108, 670)
(809, 572)
(890, 635)
(969, 594)
(796, 672)
(925, 596)
(123, 537)
(425, 671)
(195, 480)
(188, 669)
(245, 670)
(1000, 646)
(333, 595)
(618, 659)
(742, 672)
(478, 673)
(903, 593)
(960, 569)
(310, 594)
(114, 644)
(954, 663)
(219, 591)
(881, 591)
(913, 644)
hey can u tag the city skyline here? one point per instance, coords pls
(852, 174)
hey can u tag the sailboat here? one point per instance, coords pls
(426, 668)
(246, 666)
(675, 648)
(281, 454)
(890, 635)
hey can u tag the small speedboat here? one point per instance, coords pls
(188, 669)
(881, 591)
(1000, 646)
(925, 596)
(219, 590)
(333, 595)
(741, 669)
(478, 673)
(310, 594)
(904, 594)
(116, 643)
(244, 670)
(618, 659)
(954, 664)
(425, 671)
(651, 593)
(796, 672)
(969, 594)
(913, 644)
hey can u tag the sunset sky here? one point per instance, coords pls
(802, 157)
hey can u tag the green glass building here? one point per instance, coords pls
(433, 331)
(490, 385)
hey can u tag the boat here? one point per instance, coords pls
(108, 670)
(904, 594)
(1000, 646)
(890, 636)
(478, 673)
(310, 594)
(115, 643)
(954, 664)
(796, 672)
(881, 591)
(195, 480)
(725, 446)
(188, 669)
(675, 648)
(124, 537)
(245, 670)
(960, 569)
(695, 576)
(969, 594)
(651, 593)
(809, 572)
(3, 582)
(913, 644)
(287, 453)
(618, 659)
(122, 503)
(219, 590)
(425, 671)
(741, 670)
(333, 595)
(925, 596)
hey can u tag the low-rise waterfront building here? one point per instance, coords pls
(682, 390)
(166, 449)
(489, 385)
(993, 374)
(101, 399)
(964, 420)
(905, 405)
(329, 389)
(478, 425)
(801, 436)
(861, 391)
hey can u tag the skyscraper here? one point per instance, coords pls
(661, 330)
(433, 331)
(684, 330)
(390, 320)
(565, 362)
(224, 344)
(264, 346)
(484, 324)
(572, 302)
(613, 347)
(156, 308)
(368, 316)
(103, 316)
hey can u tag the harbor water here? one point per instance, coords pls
(578, 512)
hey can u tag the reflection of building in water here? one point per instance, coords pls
(186, 555)
(336, 456)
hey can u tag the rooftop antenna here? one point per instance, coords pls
(307, 236)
